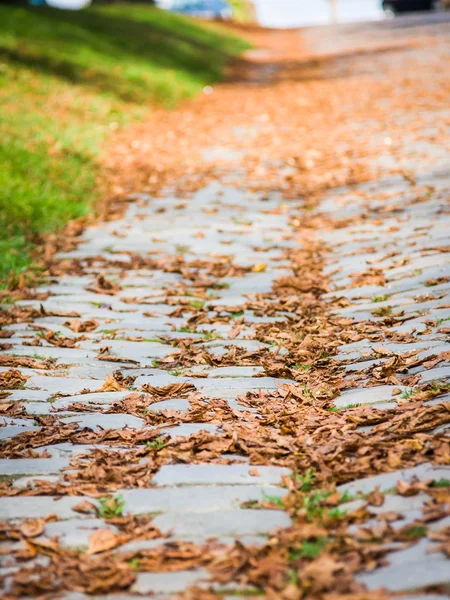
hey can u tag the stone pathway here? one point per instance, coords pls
(195, 502)
(174, 277)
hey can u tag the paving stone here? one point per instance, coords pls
(27, 395)
(32, 507)
(180, 404)
(387, 481)
(232, 523)
(379, 393)
(412, 569)
(140, 351)
(32, 466)
(364, 346)
(217, 475)
(168, 583)
(67, 449)
(229, 372)
(74, 533)
(105, 421)
(435, 374)
(93, 398)
(5, 422)
(10, 431)
(40, 408)
(217, 348)
(141, 545)
(30, 482)
(360, 366)
(62, 355)
(202, 499)
(392, 503)
(232, 388)
(65, 385)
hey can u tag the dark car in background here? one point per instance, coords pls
(394, 7)
(206, 9)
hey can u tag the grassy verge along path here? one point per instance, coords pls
(67, 80)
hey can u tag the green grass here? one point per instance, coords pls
(111, 507)
(306, 481)
(187, 329)
(176, 372)
(275, 500)
(334, 409)
(416, 532)
(441, 483)
(197, 304)
(70, 79)
(156, 444)
(312, 549)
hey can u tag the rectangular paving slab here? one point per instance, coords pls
(212, 474)
(168, 583)
(412, 569)
(232, 523)
(386, 481)
(32, 466)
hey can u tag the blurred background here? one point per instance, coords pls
(272, 13)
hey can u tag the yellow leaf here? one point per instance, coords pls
(259, 268)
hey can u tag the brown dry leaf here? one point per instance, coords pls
(82, 326)
(375, 498)
(102, 540)
(333, 499)
(31, 529)
(235, 332)
(172, 390)
(405, 489)
(119, 359)
(85, 507)
(7, 360)
(389, 516)
(104, 286)
(382, 351)
(12, 380)
(254, 472)
(111, 385)
(321, 572)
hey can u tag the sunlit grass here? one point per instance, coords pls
(67, 81)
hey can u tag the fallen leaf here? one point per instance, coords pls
(85, 507)
(31, 529)
(259, 268)
(375, 498)
(111, 385)
(102, 540)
